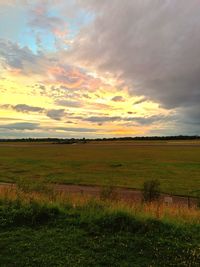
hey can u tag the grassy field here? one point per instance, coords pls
(39, 234)
(127, 164)
(40, 228)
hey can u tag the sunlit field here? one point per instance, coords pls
(175, 164)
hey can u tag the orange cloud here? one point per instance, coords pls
(60, 33)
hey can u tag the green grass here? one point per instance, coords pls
(177, 167)
(48, 235)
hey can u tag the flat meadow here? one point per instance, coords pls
(111, 163)
(43, 227)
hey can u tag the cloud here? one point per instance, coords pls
(11, 2)
(149, 120)
(118, 98)
(140, 101)
(22, 59)
(152, 45)
(190, 116)
(56, 114)
(99, 106)
(149, 49)
(23, 108)
(20, 126)
(72, 77)
(42, 20)
(99, 119)
(68, 103)
(137, 120)
(52, 68)
(73, 129)
(26, 108)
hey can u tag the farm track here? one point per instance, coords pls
(125, 194)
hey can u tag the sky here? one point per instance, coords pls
(91, 68)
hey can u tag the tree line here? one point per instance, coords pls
(84, 140)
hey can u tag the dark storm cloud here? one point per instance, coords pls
(190, 116)
(152, 45)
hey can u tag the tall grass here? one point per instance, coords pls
(154, 210)
(62, 229)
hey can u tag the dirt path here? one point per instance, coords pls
(126, 194)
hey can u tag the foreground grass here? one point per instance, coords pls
(46, 230)
(45, 194)
(126, 164)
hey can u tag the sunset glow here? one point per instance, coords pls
(62, 73)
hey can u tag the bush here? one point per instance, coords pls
(32, 214)
(151, 190)
(39, 185)
(198, 201)
(108, 193)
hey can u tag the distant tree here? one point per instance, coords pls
(84, 141)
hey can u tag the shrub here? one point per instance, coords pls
(35, 185)
(32, 214)
(151, 190)
(116, 165)
(108, 192)
(198, 200)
